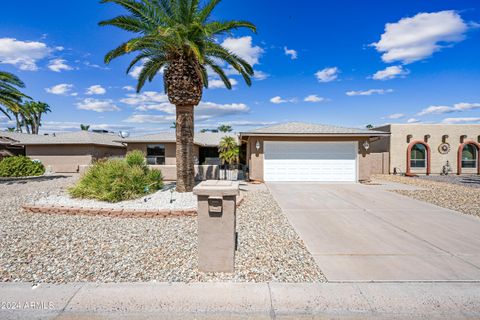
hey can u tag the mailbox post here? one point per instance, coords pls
(216, 225)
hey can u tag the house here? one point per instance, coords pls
(297, 151)
(426, 148)
(8, 147)
(67, 152)
(160, 152)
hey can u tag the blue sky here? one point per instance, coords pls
(348, 63)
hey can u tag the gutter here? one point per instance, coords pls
(329, 135)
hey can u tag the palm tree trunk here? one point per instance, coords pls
(184, 153)
(17, 121)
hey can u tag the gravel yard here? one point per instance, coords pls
(163, 199)
(449, 193)
(60, 248)
(466, 181)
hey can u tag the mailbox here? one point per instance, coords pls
(215, 205)
(216, 225)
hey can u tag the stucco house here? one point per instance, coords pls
(426, 148)
(160, 149)
(67, 152)
(297, 151)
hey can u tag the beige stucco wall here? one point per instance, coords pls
(397, 144)
(68, 158)
(255, 158)
(170, 151)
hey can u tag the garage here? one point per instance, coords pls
(310, 161)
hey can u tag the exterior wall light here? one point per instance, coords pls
(409, 137)
(366, 145)
(426, 137)
(257, 145)
(444, 138)
(462, 138)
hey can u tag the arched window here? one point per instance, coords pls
(469, 156)
(418, 156)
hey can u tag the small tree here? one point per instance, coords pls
(369, 126)
(224, 128)
(85, 127)
(228, 151)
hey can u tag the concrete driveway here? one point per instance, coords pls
(359, 232)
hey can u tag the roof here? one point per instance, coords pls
(206, 139)
(306, 129)
(77, 137)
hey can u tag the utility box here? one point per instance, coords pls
(216, 225)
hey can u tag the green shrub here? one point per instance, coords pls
(117, 180)
(135, 158)
(20, 166)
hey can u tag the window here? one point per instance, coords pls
(469, 156)
(156, 154)
(418, 156)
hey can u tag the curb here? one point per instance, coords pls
(109, 212)
(113, 212)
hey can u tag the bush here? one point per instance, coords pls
(20, 166)
(117, 180)
(135, 158)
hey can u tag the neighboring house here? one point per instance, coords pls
(67, 152)
(8, 147)
(160, 152)
(426, 148)
(299, 151)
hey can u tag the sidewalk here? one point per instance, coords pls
(402, 300)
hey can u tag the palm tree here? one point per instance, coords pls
(179, 37)
(228, 151)
(32, 112)
(225, 128)
(84, 127)
(10, 96)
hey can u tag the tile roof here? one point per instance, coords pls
(303, 128)
(201, 138)
(77, 137)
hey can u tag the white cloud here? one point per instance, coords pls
(204, 111)
(144, 98)
(291, 53)
(135, 71)
(413, 120)
(391, 72)
(260, 75)
(61, 89)
(57, 65)
(65, 126)
(148, 118)
(218, 83)
(207, 110)
(95, 89)
(313, 98)
(368, 92)
(461, 120)
(128, 88)
(418, 37)
(435, 110)
(22, 54)
(458, 107)
(464, 106)
(244, 49)
(396, 116)
(97, 105)
(327, 74)
(278, 100)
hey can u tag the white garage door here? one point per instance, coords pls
(310, 161)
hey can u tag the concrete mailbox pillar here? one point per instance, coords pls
(216, 225)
